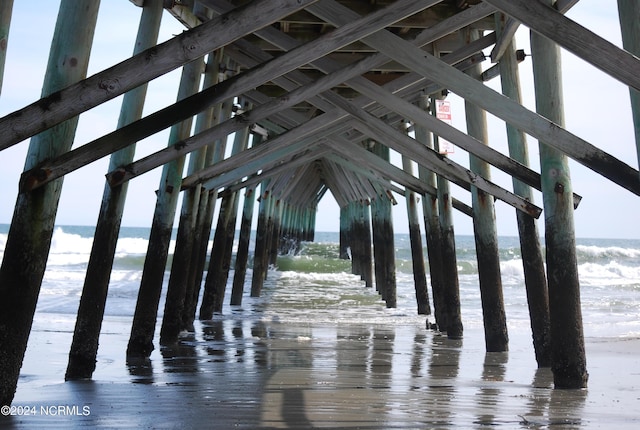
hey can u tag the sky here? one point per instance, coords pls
(597, 109)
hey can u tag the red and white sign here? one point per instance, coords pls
(443, 113)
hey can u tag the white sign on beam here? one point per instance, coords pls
(443, 113)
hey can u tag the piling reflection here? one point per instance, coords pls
(443, 370)
(566, 407)
(538, 404)
(140, 369)
(357, 376)
(493, 371)
(417, 356)
(214, 340)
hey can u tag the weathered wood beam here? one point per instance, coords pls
(368, 88)
(271, 151)
(511, 26)
(356, 157)
(459, 181)
(350, 181)
(501, 106)
(183, 11)
(418, 116)
(303, 189)
(448, 132)
(366, 163)
(445, 167)
(141, 68)
(412, 112)
(374, 175)
(287, 62)
(441, 165)
(335, 187)
(592, 48)
(629, 17)
(297, 156)
(424, 19)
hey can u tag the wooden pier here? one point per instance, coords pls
(313, 95)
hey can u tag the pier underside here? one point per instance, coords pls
(283, 101)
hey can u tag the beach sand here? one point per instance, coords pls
(252, 374)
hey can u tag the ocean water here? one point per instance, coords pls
(315, 287)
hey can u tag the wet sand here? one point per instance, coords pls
(252, 374)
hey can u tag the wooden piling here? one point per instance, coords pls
(629, 13)
(354, 242)
(567, 337)
(485, 231)
(220, 260)
(274, 225)
(345, 233)
(206, 209)
(289, 237)
(6, 7)
(207, 206)
(530, 249)
(213, 295)
(242, 255)
(432, 225)
(260, 255)
(181, 267)
(84, 347)
(417, 256)
(29, 238)
(144, 320)
(311, 220)
(451, 284)
(383, 239)
(364, 236)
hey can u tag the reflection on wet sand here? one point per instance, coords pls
(354, 376)
(489, 395)
(235, 373)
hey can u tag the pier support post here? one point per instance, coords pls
(485, 231)
(261, 254)
(29, 238)
(84, 347)
(432, 227)
(451, 283)
(355, 242)
(567, 339)
(417, 256)
(629, 11)
(530, 249)
(383, 240)
(345, 233)
(172, 320)
(275, 226)
(364, 236)
(144, 319)
(220, 260)
(361, 263)
(242, 256)
(206, 209)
